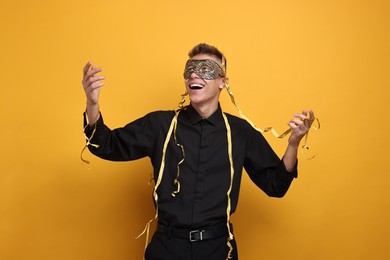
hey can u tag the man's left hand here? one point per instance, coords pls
(300, 125)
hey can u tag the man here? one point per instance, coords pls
(198, 153)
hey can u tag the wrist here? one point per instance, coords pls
(93, 114)
(92, 103)
(293, 146)
(293, 143)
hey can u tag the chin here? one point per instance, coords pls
(195, 100)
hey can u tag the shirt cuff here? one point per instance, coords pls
(88, 130)
(292, 174)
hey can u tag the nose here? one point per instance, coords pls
(194, 76)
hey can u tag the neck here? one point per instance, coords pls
(205, 110)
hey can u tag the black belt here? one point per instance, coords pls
(194, 235)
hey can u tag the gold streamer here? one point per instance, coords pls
(228, 209)
(305, 146)
(176, 181)
(88, 140)
(158, 182)
(271, 129)
(183, 100)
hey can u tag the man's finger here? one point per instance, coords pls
(301, 116)
(92, 80)
(311, 112)
(296, 121)
(96, 85)
(92, 72)
(86, 67)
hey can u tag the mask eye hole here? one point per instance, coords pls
(205, 69)
(190, 69)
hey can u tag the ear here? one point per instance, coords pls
(224, 82)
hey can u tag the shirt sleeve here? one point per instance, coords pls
(133, 141)
(265, 168)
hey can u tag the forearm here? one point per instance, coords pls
(290, 157)
(133, 141)
(92, 113)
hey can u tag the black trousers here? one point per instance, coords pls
(164, 247)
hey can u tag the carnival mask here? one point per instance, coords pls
(205, 69)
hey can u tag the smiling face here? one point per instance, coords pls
(204, 80)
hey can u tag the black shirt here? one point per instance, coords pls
(205, 172)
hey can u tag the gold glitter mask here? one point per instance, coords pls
(205, 69)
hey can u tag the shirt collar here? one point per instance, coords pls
(195, 118)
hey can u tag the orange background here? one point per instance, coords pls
(284, 56)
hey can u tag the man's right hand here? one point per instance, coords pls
(92, 84)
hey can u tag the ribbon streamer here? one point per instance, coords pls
(228, 208)
(271, 129)
(159, 178)
(88, 140)
(176, 181)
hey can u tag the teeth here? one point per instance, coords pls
(196, 86)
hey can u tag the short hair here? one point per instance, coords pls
(204, 48)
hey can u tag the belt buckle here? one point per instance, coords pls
(193, 233)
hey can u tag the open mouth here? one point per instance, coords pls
(196, 86)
